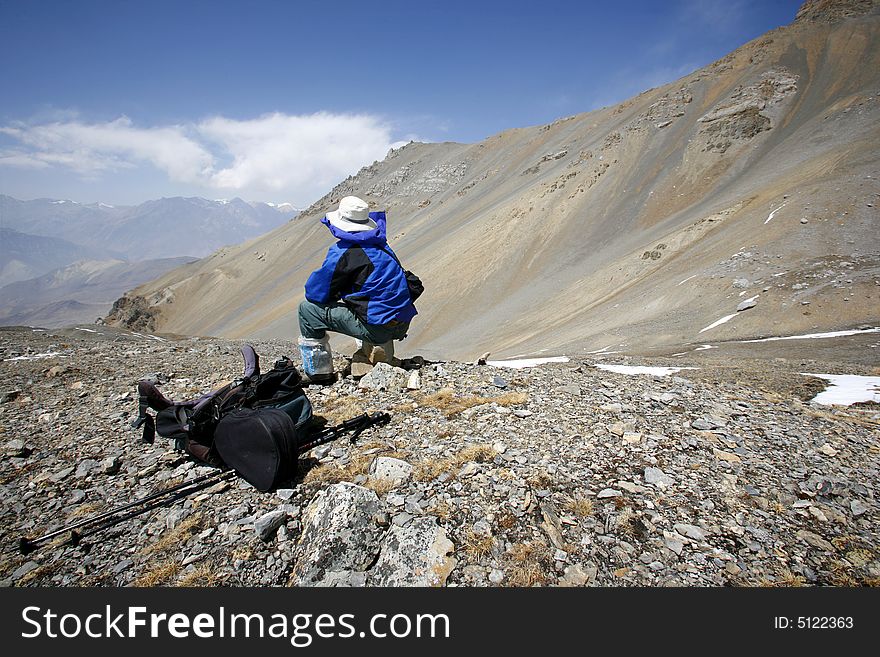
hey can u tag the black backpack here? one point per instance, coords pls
(253, 425)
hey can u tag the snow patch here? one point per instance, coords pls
(527, 362)
(774, 212)
(48, 354)
(151, 337)
(687, 279)
(77, 328)
(815, 336)
(641, 369)
(847, 389)
(721, 321)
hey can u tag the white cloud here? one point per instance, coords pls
(298, 157)
(279, 151)
(92, 148)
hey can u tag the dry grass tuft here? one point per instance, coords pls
(540, 479)
(430, 470)
(341, 408)
(527, 564)
(84, 510)
(159, 574)
(784, 579)
(506, 520)
(243, 553)
(176, 536)
(582, 507)
(442, 509)
(477, 545)
(205, 576)
(380, 485)
(38, 573)
(446, 401)
(331, 473)
(169, 483)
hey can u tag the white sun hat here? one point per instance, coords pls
(352, 216)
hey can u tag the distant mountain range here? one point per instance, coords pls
(163, 228)
(78, 258)
(737, 202)
(78, 293)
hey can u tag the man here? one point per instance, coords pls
(360, 290)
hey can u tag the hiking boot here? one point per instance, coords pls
(361, 364)
(384, 353)
(318, 379)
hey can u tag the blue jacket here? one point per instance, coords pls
(361, 271)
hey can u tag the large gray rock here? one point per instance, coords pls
(384, 377)
(339, 535)
(416, 554)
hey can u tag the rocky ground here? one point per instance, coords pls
(558, 475)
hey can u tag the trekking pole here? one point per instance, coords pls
(28, 545)
(357, 424)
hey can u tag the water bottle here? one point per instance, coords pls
(317, 358)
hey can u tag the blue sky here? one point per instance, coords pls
(121, 101)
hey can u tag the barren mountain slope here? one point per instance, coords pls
(637, 225)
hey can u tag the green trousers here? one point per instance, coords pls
(315, 319)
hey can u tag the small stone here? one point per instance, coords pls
(285, 493)
(828, 450)
(631, 438)
(804, 220)
(520, 413)
(267, 524)
(571, 389)
(726, 456)
(24, 569)
(56, 371)
(383, 377)
(578, 575)
(496, 576)
(125, 564)
(85, 467)
(673, 543)
(612, 408)
(814, 540)
(858, 507)
(629, 487)
(745, 305)
(732, 569)
(385, 467)
(16, 449)
(321, 451)
(61, 474)
(111, 465)
(691, 531)
(608, 492)
(414, 382)
(9, 395)
(498, 382)
(658, 478)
